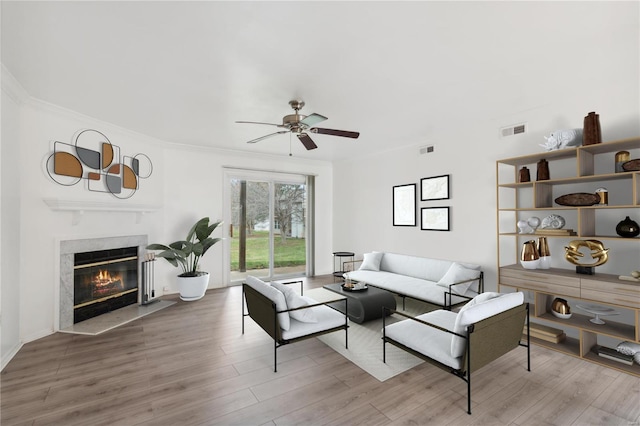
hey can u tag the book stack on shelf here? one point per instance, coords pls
(546, 333)
(613, 354)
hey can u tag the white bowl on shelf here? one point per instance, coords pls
(530, 264)
(561, 316)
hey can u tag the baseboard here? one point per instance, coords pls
(8, 357)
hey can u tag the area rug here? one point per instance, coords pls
(365, 344)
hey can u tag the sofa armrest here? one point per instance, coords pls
(447, 304)
(295, 282)
(352, 263)
(388, 311)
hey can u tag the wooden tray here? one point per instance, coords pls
(353, 289)
(578, 199)
(631, 166)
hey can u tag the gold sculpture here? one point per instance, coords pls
(598, 252)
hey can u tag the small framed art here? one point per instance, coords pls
(434, 188)
(404, 205)
(434, 218)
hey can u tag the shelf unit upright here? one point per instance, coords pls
(573, 170)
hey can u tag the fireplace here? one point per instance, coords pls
(131, 269)
(104, 280)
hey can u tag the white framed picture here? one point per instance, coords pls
(434, 188)
(404, 205)
(434, 218)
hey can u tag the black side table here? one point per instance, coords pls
(339, 255)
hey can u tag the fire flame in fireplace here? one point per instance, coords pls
(104, 278)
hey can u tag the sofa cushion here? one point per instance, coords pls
(429, 341)
(275, 296)
(371, 261)
(457, 273)
(405, 285)
(479, 311)
(413, 266)
(296, 301)
(327, 318)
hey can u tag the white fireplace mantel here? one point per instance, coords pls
(79, 207)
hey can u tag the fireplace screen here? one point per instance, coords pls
(104, 280)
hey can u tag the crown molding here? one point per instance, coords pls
(12, 87)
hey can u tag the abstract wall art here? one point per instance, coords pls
(94, 159)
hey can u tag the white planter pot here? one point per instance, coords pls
(193, 288)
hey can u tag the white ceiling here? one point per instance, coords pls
(401, 73)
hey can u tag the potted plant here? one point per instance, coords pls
(186, 254)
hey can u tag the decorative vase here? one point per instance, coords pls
(543, 252)
(604, 196)
(621, 158)
(560, 308)
(628, 228)
(524, 175)
(529, 257)
(591, 132)
(543, 170)
(193, 288)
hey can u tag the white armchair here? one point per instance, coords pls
(484, 329)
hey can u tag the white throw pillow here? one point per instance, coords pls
(479, 311)
(371, 261)
(295, 301)
(457, 273)
(275, 296)
(482, 297)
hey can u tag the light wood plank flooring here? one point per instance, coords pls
(189, 364)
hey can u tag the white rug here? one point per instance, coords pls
(365, 345)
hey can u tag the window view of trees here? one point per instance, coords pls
(251, 225)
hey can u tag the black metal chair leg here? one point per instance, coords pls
(528, 342)
(346, 323)
(384, 335)
(242, 301)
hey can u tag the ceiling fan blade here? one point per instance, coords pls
(267, 136)
(332, 132)
(259, 122)
(312, 119)
(307, 141)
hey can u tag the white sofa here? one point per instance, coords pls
(440, 282)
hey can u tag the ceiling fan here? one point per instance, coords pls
(300, 125)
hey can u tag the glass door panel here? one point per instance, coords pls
(289, 246)
(267, 235)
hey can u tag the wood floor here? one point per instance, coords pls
(190, 364)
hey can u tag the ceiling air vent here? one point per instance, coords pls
(426, 149)
(514, 129)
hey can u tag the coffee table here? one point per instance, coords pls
(364, 305)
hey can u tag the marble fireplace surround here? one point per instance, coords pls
(69, 247)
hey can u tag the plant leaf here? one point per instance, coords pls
(157, 247)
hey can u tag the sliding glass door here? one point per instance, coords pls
(268, 225)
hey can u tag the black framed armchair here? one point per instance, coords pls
(486, 328)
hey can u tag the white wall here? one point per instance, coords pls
(590, 67)
(186, 184)
(187, 201)
(363, 185)
(9, 219)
